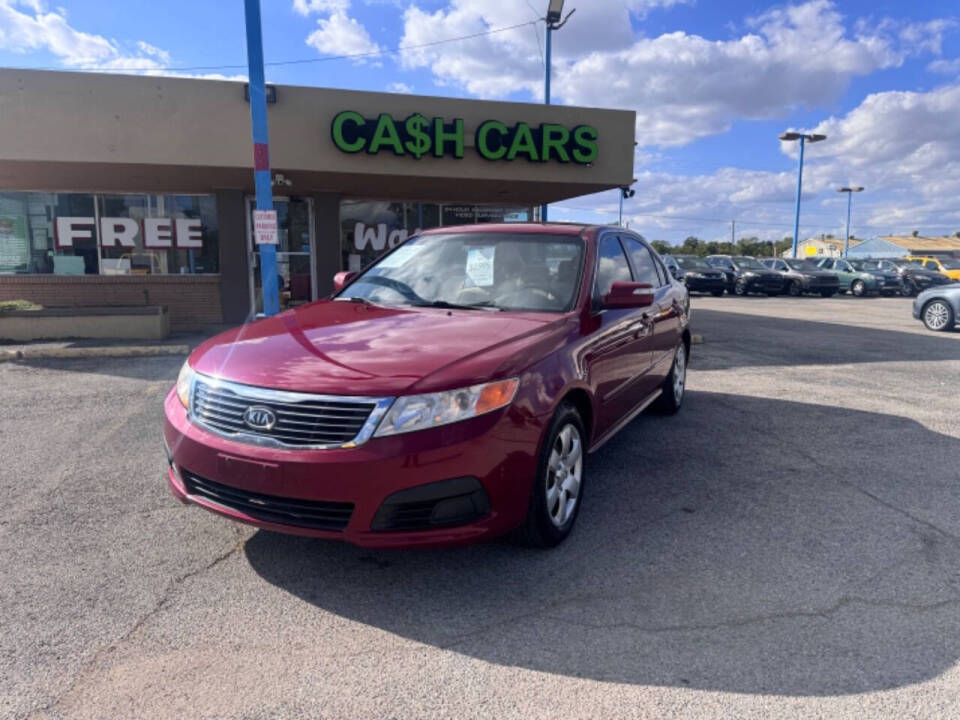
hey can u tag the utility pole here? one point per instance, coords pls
(733, 233)
(803, 138)
(849, 191)
(261, 157)
(554, 13)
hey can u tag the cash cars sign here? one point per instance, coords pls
(418, 136)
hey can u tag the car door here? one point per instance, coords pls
(620, 348)
(666, 312)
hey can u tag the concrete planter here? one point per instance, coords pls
(139, 323)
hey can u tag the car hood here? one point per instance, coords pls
(346, 348)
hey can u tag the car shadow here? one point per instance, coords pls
(702, 558)
(738, 339)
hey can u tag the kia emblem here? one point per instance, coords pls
(259, 417)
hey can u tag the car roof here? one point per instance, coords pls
(520, 228)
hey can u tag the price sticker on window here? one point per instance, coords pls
(480, 265)
(265, 227)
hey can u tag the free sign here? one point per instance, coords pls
(158, 233)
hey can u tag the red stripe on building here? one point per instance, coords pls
(261, 156)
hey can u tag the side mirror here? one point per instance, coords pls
(342, 279)
(629, 295)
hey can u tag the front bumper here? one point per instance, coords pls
(247, 483)
(705, 284)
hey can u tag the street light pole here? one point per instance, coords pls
(849, 191)
(554, 13)
(788, 136)
(261, 152)
(625, 193)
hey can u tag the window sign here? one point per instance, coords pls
(14, 245)
(480, 265)
(418, 136)
(129, 234)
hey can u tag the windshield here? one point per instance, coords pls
(803, 265)
(748, 263)
(950, 264)
(688, 263)
(907, 263)
(497, 271)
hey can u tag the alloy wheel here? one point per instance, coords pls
(564, 474)
(936, 316)
(858, 288)
(795, 288)
(679, 373)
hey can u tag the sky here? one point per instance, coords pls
(713, 85)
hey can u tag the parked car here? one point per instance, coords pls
(914, 277)
(696, 274)
(803, 276)
(889, 279)
(446, 394)
(946, 266)
(745, 275)
(938, 307)
(856, 282)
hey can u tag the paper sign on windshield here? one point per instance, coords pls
(480, 265)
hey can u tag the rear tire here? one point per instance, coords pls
(675, 384)
(559, 479)
(938, 316)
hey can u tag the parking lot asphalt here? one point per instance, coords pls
(788, 545)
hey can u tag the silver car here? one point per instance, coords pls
(938, 307)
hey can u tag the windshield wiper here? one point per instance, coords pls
(485, 305)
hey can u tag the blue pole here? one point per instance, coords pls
(546, 100)
(846, 242)
(261, 151)
(796, 219)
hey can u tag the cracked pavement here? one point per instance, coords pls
(787, 546)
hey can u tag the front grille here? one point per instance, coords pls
(301, 420)
(315, 514)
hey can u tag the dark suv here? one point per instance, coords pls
(803, 276)
(746, 275)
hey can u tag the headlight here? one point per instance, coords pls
(695, 275)
(184, 381)
(419, 412)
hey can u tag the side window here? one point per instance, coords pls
(611, 266)
(781, 265)
(644, 266)
(932, 265)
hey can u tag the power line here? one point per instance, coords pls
(277, 63)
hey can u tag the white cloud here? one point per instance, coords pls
(945, 67)
(399, 87)
(340, 34)
(682, 86)
(305, 7)
(27, 26)
(903, 147)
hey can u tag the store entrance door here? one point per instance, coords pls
(295, 266)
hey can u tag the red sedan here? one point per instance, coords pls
(446, 394)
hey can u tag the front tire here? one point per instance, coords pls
(827, 293)
(938, 316)
(858, 288)
(740, 288)
(558, 487)
(675, 384)
(717, 293)
(795, 289)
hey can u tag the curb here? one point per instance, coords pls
(93, 352)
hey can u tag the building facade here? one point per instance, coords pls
(130, 190)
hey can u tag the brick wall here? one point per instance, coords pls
(193, 300)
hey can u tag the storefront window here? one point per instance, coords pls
(82, 234)
(368, 228)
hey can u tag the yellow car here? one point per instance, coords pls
(948, 266)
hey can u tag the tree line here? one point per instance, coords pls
(744, 246)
